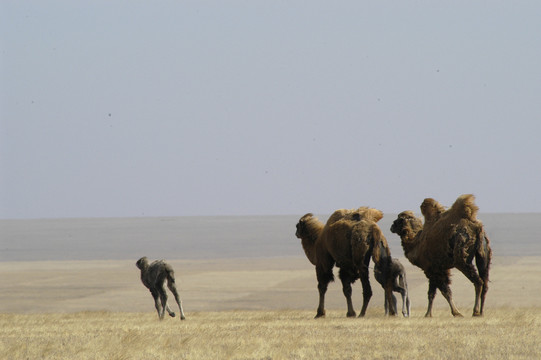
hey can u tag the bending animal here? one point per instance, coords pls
(153, 277)
(348, 240)
(450, 239)
(400, 285)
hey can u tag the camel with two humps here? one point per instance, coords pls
(448, 239)
(349, 239)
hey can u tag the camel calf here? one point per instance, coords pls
(153, 277)
(400, 285)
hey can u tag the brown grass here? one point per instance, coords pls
(52, 310)
(504, 333)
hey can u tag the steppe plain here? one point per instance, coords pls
(69, 289)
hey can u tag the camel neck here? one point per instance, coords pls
(308, 246)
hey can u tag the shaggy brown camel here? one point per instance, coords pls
(348, 240)
(400, 285)
(153, 277)
(450, 239)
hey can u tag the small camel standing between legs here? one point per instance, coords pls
(153, 277)
(400, 285)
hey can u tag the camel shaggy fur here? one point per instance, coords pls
(400, 285)
(348, 240)
(449, 239)
(153, 277)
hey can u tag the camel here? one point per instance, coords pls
(400, 285)
(348, 240)
(153, 277)
(450, 239)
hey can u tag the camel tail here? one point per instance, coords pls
(465, 208)
(402, 282)
(483, 254)
(381, 254)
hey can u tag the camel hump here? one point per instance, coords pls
(465, 208)
(431, 209)
(355, 215)
(374, 214)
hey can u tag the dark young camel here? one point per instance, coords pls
(153, 277)
(400, 285)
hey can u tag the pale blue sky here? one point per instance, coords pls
(132, 108)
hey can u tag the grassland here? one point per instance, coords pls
(235, 310)
(503, 333)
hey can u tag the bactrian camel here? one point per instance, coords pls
(400, 285)
(348, 240)
(154, 277)
(448, 239)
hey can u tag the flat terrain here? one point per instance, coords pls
(237, 284)
(248, 293)
(254, 309)
(504, 333)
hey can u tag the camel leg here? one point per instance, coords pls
(431, 295)
(163, 299)
(445, 290)
(403, 285)
(169, 311)
(483, 264)
(483, 295)
(391, 299)
(157, 304)
(171, 285)
(386, 304)
(405, 300)
(408, 305)
(323, 279)
(392, 307)
(322, 288)
(469, 271)
(367, 289)
(347, 280)
(447, 294)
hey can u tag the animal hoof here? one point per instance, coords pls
(351, 314)
(319, 315)
(477, 314)
(182, 318)
(458, 315)
(172, 314)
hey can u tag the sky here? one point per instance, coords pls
(181, 108)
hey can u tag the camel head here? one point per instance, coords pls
(306, 226)
(406, 225)
(142, 263)
(308, 230)
(431, 209)
(309, 227)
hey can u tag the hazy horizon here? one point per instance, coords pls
(322, 215)
(200, 237)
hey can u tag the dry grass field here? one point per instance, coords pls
(503, 333)
(260, 308)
